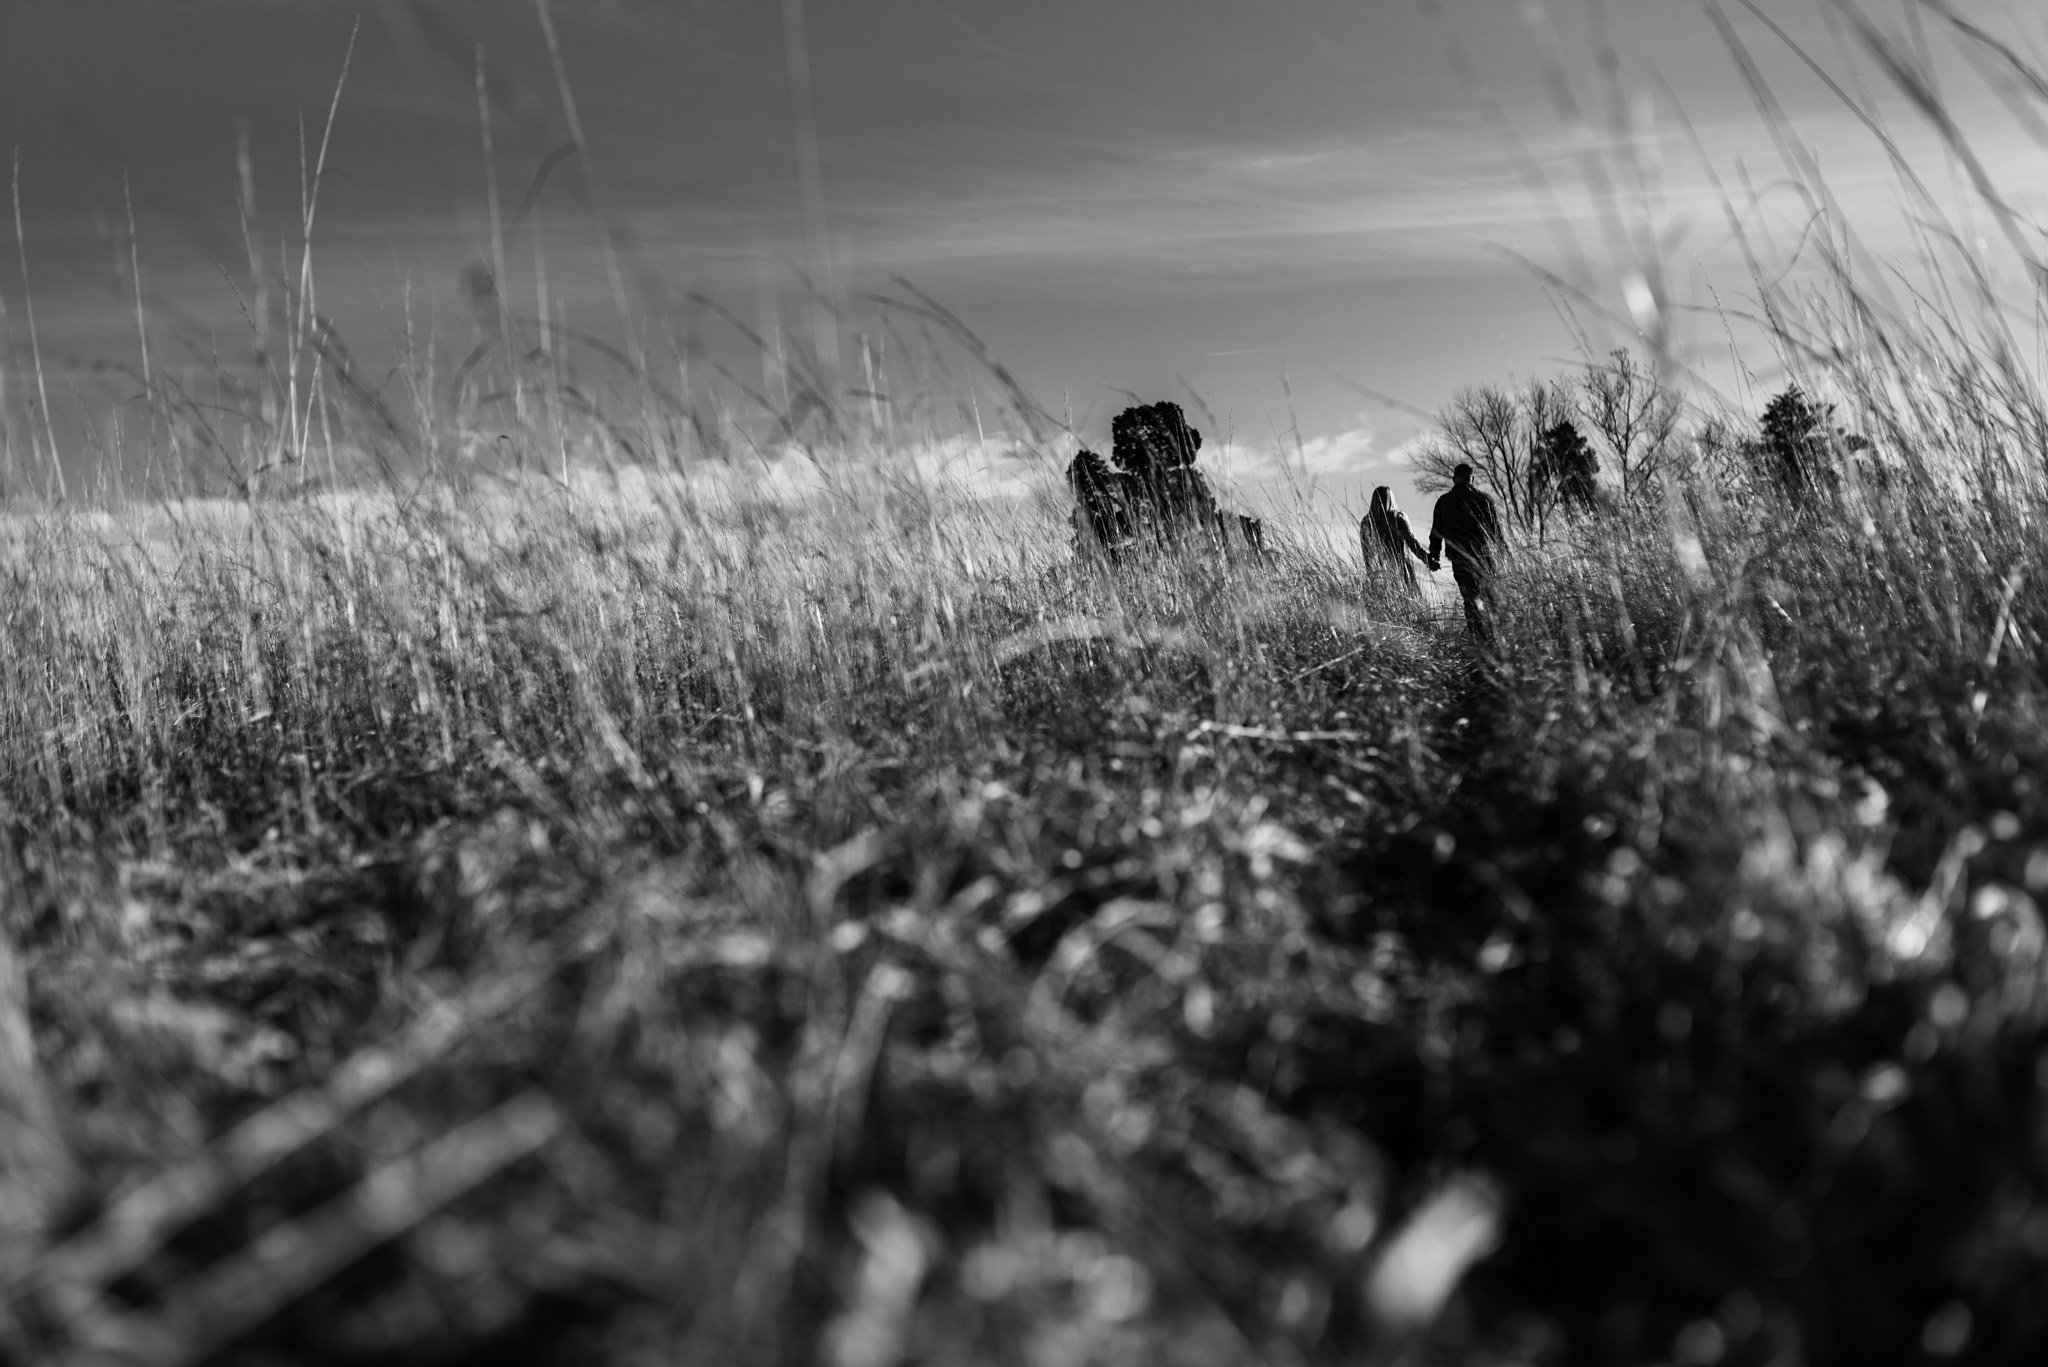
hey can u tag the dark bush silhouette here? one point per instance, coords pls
(1099, 496)
(1155, 448)
(1154, 495)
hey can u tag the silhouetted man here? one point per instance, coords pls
(1466, 525)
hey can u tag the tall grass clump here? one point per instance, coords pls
(605, 894)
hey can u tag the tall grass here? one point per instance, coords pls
(475, 910)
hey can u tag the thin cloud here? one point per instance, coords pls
(1436, 199)
(1348, 451)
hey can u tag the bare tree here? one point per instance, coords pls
(1497, 432)
(1635, 417)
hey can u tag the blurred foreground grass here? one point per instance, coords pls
(489, 918)
(582, 925)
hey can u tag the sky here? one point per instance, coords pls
(1309, 221)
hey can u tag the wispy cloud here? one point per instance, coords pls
(1357, 450)
(1435, 198)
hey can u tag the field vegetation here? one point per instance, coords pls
(469, 912)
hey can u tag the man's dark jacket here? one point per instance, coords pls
(1467, 526)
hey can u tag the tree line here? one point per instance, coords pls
(1542, 447)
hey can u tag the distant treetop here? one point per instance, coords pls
(1564, 471)
(1801, 445)
(1153, 437)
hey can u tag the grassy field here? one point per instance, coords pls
(494, 918)
(457, 917)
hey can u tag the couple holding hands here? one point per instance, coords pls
(1464, 525)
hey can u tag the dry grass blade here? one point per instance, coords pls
(1917, 87)
(860, 1050)
(1019, 644)
(831, 871)
(136, 1224)
(35, 344)
(1425, 1259)
(34, 1168)
(1236, 732)
(213, 1310)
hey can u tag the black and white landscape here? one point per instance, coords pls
(945, 681)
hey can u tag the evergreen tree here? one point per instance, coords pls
(1794, 449)
(1564, 470)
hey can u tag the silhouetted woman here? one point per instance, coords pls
(1384, 536)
